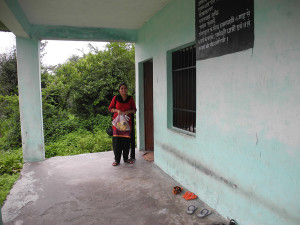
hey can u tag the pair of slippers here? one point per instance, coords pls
(130, 161)
(203, 213)
(189, 195)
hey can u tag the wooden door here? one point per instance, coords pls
(148, 105)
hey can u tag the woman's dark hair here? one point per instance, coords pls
(123, 83)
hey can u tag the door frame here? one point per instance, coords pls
(140, 123)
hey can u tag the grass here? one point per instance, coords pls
(6, 183)
(11, 164)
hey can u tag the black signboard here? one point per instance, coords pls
(223, 27)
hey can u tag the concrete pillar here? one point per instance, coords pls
(30, 99)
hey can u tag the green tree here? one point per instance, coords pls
(8, 70)
(10, 131)
(86, 86)
(8, 73)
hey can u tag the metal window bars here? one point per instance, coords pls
(184, 88)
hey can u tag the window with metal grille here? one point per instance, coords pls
(184, 88)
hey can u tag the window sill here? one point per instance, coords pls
(182, 132)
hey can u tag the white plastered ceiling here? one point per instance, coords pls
(124, 14)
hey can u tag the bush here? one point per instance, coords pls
(6, 183)
(79, 142)
(95, 123)
(10, 129)
(11, 164)
(58, 122)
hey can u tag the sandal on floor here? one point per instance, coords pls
(191, 197)
(132, 160)
(191, 209)
(186, 194)
(177, 190)
(204, 212)
(128, 161)
(115, 163)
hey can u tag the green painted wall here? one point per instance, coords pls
(244, 160)
(29, 83)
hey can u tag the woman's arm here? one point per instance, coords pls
(133, 108)
(112, 105)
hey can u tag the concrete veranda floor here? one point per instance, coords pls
(86, 189)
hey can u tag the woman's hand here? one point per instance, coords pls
(128, 112)
(118, 111)
(123, 113)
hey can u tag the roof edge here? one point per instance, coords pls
(83, 33)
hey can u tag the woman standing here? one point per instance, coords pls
(122, 104)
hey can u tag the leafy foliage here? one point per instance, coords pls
(8, 73)
(10, 130)
(10, 165)
(6, 183)
(8, 70)
(79, 142)
(11, 162)
(86, 86)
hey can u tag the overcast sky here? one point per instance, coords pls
(56, 51)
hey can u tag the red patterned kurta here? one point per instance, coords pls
(118, 103)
